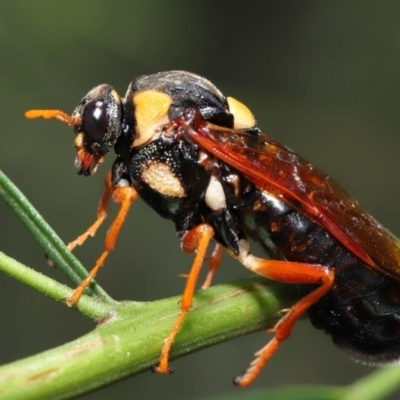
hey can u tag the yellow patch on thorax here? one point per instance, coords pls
(151, 112)
(243, 117)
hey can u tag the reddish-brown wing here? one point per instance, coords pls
(281, 172)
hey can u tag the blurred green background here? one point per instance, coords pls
(322, 77)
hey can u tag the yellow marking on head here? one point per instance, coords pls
(243, 117)
(115, 96)
(96, 91)
(151, 112)
(78, 142)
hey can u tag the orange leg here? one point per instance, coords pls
(214, 262)
(288, 272)
(101, 214)
(197, 238)
(124, 196)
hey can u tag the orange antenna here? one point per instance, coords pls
(57, 114)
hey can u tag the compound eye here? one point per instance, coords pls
(94, 120)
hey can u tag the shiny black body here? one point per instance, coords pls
(361, 312)
(297, 214)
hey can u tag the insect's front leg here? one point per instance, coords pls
(102, 212)
(287, 272)
(125, 196)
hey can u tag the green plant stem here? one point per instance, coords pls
(92, 308)
(53, 246)
(130, 341)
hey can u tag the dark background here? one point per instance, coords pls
(321, 77)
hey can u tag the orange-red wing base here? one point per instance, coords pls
(124, 196)
(288, 272)
(196, 239)
(214, 262)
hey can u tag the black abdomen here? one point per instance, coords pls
(362, 314)
(362, 310)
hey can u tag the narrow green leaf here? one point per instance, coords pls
(53, 246)
(94, 309)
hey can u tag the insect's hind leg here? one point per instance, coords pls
(287, 272)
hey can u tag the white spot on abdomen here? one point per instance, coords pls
(215, 196)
